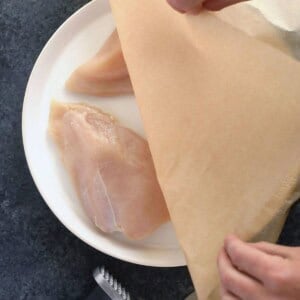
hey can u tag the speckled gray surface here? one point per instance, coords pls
(39, 258)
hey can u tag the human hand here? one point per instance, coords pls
(258, 271)
(186, 6)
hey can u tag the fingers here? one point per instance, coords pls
(248, 259)
(193, 6)
(233, 282)
(270, 264)
(185, 5)
(219, 4)
(272, 249)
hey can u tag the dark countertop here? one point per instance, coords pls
(39, 257)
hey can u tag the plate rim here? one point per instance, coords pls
(26, 102)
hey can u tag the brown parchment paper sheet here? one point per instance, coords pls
(221, 112)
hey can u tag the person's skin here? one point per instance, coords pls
(258, 271)
(186, 6)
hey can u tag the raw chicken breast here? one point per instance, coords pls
(106, 73)
(103, 75)
(111, 168)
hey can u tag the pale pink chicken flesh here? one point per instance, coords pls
(111, 168)
(105, 74)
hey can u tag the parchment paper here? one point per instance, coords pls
(221, 113)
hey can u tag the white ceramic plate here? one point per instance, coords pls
(76, 40)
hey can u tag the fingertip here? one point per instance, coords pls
(186, 6)
(173, 4)
(176, 5)
(196, 10)
(232, 236)
(229, 239)
(215, 5)
(210, 5)
(231, 244)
